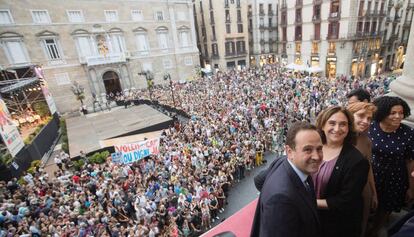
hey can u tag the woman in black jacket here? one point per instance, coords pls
(341, 177)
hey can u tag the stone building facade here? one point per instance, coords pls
(101, 44)
(263, 31)
(341, 37)
(222, 33)
(397, 26)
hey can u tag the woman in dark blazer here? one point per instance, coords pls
(341, 177)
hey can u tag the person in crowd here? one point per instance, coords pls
(287, 200)
(363, 113)
(358, 95)
(392, 155)
(342, 175)
(231, 114)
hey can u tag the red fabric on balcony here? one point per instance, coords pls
(239, 223)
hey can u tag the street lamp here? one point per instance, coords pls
(78, 91)
(149, 77)
(167, 76)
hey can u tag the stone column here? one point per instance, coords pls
(403, 86)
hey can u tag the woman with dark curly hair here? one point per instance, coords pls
(392, 155)
(341, 176)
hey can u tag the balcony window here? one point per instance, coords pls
(137, 15)
(214, 49)
(239, 28)
(40, 17)
(229, 46)
(228, 28)
(184, 37)
(84, 46)
(159, 15)
(298, 33)
(317, 12)
(162, 40)
(241, 47)
(75, 16)
(239, 18)
(142, 41)
(227, 16)
(15, 51)
(334, 9)
(111, 16)
(5, 17)
(52, 49)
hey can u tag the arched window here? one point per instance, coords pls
(162, 35)
(184, 36)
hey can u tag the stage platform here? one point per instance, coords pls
(93, 131)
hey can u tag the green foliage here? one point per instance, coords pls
(36, 163)
(65, 147)
(64, 132)
(21, 181)
(6, 159)
(34, 166)
(98, 157)
(41, 109)
(78, 165)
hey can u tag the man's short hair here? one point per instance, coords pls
(294, 130)
(361, 94)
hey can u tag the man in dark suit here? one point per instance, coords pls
(287, 203)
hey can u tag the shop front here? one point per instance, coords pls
(331, 67)
(314, 61)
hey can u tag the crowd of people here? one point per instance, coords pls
(235, 117)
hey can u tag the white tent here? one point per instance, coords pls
(290, 66)
(314, 69)
(296, 67)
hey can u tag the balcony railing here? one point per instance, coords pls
(315, 2)
(316, 18)
(407, 24)
(388, 19)
(283, 7)
(249, 14)
(315, 37)
(298, 20)
(334, 16)
(397, 19)
(215, 56)
(299, 3)
(270, 13)
(332, 37)
(106, 59)
(272, 28)
(261, 12)
(298, 37)
(283, 23)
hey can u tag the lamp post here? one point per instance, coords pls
(149, 77)
(78, 91)
(167, 76)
